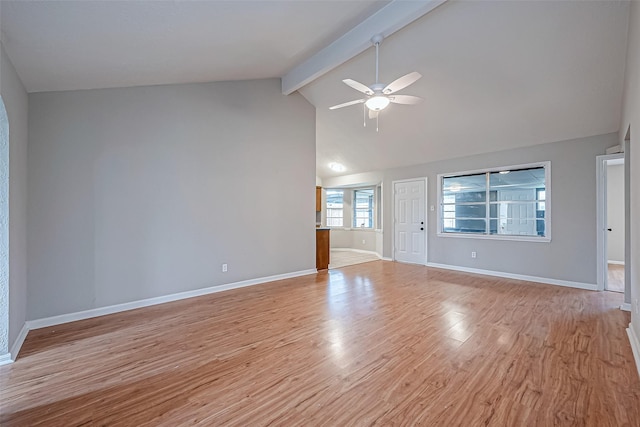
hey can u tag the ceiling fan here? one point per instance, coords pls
(378, 94)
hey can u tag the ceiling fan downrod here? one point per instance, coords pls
(376, 40)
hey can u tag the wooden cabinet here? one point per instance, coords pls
(318, 199)
(322, 249)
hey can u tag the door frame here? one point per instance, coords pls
(601, 219)
(426, 216)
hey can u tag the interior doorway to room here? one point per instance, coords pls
(410, 221)
(615, 225)
(611, 224)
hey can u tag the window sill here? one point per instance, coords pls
(535, 239)
(371, 230)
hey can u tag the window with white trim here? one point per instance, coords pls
(363, 206)
(335, 207)
(509, 203)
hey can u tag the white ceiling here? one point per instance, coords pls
(67, 45)
(496, 75)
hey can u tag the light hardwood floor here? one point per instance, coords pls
(377, 343)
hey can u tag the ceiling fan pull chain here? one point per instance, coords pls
(377, 121)
(364, 115)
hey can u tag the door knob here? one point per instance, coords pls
(608, 229)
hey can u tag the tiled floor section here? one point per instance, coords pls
(343, 258)
(615, 279)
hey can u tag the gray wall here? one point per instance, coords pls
(615, 213)
(631, 122)
(571, 254)
(143, 192)
(353, 239)
(15, 100)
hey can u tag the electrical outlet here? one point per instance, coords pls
(473, 254)
(363, 242)
(224, 267)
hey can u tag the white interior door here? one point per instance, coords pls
(410, 221)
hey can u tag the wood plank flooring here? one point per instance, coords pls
(376, 343)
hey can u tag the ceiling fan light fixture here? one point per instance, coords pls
(377, 103)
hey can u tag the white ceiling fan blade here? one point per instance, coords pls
(405, 99)
(373, 114)
(401, 83)
(346, 104)
(358, 86)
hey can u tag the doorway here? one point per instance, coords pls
(612, 217)
(410, 221)
(615, 225)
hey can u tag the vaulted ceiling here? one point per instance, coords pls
(496, 74)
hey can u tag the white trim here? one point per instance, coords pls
(426, 217)
(4, 229)
(5, 359)
(601, 218)
(368, 230)
(540, 239)
(615, 262)
(546, 280)
(95, 312)
(496, 237)
(635, 346)
(625, 307)
(384, 258)
(17, 344)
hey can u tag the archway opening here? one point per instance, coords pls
(5, 357)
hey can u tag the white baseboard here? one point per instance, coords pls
(567, 283)
(95, 312)
(360, 251)
(17, 344)
(615, 262)
(635, 346)
(625, 307)
(5, 359)
(384, 258)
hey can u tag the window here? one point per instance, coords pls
(335, 208)
(363, 208)
(510, 202)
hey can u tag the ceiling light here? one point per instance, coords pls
(377, 103)
(336, 167)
